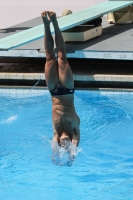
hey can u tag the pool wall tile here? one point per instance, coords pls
(106, 93)
(22, 92)
(131, 93)
(1, 90)
(94, 93)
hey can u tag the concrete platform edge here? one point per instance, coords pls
(77, 77)
(86, 54)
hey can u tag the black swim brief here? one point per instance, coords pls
(61, 90)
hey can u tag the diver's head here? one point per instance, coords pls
(64, 151)
(64, 140)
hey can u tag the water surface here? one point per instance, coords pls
(102, 170)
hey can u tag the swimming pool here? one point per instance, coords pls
(102, 170)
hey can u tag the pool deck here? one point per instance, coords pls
(99, 73)
(105, 61)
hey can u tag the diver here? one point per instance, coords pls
(60, 83)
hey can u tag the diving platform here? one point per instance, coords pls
(83, 32)
(121, 16)
(65, 23)
(115, 43)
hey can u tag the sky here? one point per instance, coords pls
(13, 12)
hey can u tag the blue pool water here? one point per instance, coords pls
(104, 167)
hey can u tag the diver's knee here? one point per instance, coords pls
(51, 61)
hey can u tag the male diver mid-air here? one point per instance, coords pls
(59, 80)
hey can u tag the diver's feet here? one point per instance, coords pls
(52, 16)
(45, 17)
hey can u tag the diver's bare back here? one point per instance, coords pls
(64, 115)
